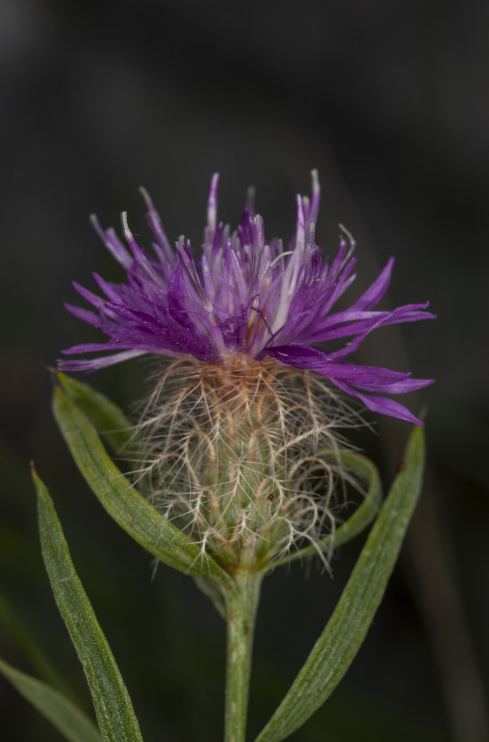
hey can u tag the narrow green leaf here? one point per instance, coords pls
(106, 417)
(31, 650)
(122, 501)
(346, 630)
(115, 714)
(359, 520)
(62, 713)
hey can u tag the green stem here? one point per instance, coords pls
(241, 611)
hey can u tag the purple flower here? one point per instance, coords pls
(245, 296)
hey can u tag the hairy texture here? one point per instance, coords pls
(233, 429)
(230, 453)
(245, 295)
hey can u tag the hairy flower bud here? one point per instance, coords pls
(231, 454)
(235, 426)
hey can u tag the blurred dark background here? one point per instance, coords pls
(390, 101)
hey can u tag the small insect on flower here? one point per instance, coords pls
(246, 400)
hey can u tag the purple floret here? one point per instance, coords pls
(245, 296)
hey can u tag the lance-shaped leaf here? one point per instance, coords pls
(117, 432)
(122, 501)
(115, 714)
(62, 713)
(346, 630)
(106, 417)
(360, 519)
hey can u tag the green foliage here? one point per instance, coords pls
(62, 713)
(121, 500)
(106, 417)
(338, 644)
(242, 605)
(80, 413)
(111, 423)
(115, 714)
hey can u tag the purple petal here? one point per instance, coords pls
(88, 348)
(109, 290)
(141, 258)
(342, 328)
(377, 290)
(141, 318)
(382, 405)
(94, 364)
(112, 243)
(316, 196)
(303, 357)
(85, 315)
(244, 296)
(390, 318)
(401, 387)
(364, 375)
(157, 229)
(95, 300)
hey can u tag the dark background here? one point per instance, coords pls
(390, 101)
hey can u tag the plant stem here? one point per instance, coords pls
(241, 611)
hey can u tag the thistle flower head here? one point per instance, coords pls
(245, 298)
(235, 429)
